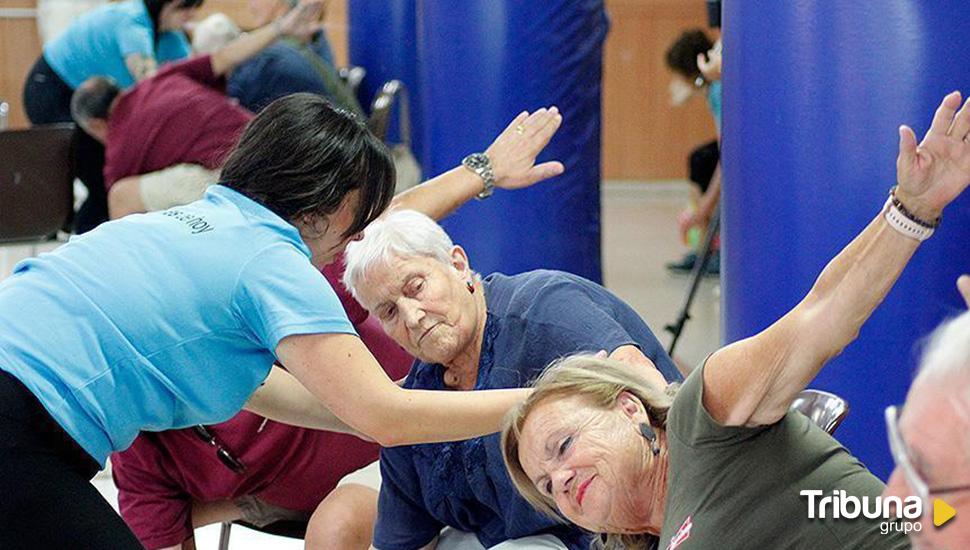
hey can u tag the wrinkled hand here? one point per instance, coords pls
(936, 171)
(513, 153)
(963, 285)
(710, 66)
(303, 21)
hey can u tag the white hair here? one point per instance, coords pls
(948, 351)
(213, 33)
(402, 234)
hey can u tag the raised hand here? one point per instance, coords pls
(514, 151)
(936, 171)
(303, 21)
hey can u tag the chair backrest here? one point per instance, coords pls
(381, 107)
(4, 113)
(36, 182)
(825, 409)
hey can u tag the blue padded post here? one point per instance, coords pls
(814, 91)
(481, 63)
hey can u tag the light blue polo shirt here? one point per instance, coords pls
(97, 43)
(161, 320)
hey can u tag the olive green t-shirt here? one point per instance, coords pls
(738, 487)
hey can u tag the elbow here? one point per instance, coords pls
(387, 436)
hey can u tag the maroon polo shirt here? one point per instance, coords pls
(180, 115)
(160, 475)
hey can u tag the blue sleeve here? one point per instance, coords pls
(133, 39)
(403, 523)
(569, 318)
(172, 46)
(321, 46)
(279, 294)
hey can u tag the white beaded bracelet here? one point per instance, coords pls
(904, 224)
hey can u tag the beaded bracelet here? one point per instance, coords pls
(902, 208)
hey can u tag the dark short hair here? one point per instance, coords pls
(154, 8)
(93, 99)
(682, 54)
(301, 156)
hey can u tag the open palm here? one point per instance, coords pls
(936, 171)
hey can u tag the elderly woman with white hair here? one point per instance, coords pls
(930, 434)
(473, 333)
(724, 463)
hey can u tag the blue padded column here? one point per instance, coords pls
(814, 91)
(481, 63)
(383, 41)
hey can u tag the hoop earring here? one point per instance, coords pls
(471, 286)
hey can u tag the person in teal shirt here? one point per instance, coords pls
(125, 41)
(174, 318)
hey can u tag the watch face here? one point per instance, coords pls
(476, 161)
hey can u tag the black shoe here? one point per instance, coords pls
(685, 265)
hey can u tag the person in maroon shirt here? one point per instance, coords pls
(170, 482)
(180, 116)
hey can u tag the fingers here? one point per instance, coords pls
(961, 123)
(544, 171)
(516, 123)
(963, 285)
(907, 150)
(944, 113)
(542, 125)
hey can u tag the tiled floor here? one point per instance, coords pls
(639, 236)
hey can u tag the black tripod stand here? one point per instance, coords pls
(704, 254)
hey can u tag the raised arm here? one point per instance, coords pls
(340, 371)
(300, 23)
(513, 156)
(753, 381)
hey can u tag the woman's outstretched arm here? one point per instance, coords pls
(753, 381)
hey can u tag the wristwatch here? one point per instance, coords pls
(481, 165)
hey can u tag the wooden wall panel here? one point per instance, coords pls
(19, 48)
(644, 137)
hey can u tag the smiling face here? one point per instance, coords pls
(425, 305)
(940, 452)
(593, 464)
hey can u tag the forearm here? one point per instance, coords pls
(426, 416)
(342, 373)
(752, 382)
(853, 284)
(284, 399)
(441, 195)
(246, 46)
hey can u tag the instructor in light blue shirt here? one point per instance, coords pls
(174, 318)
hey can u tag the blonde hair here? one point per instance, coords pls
(600, 382)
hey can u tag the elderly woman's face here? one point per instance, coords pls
(423, 304)
(590, 461)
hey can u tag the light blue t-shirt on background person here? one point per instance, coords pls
(97, 43)
(714, 103)
(161, 320)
